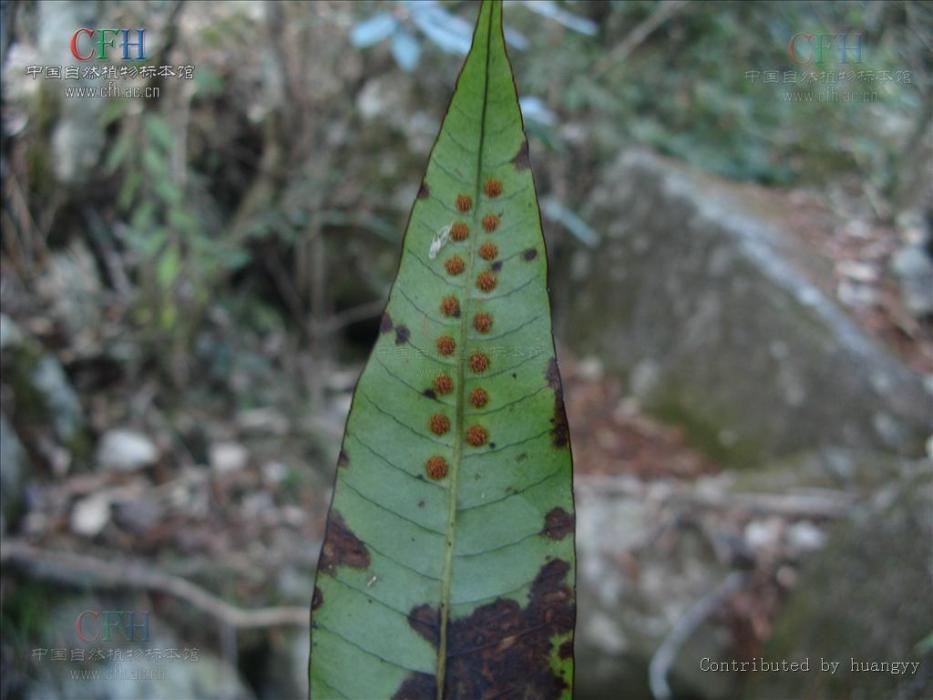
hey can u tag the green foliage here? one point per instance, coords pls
(447, 569)
(178, 258)
(685, 91)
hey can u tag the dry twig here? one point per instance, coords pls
(663, 11)
(75, 569)
(820, 504)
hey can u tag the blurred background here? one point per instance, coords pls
(196, 248)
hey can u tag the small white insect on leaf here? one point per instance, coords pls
(439, 241)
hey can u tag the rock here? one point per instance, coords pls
(639, 571)
(805, 537)
(90, 516)
(590, 369)
(138, 515)
(857, 271)
(864, 597)
(263, 420)
(717, 320)
(14, 473)
(764, 534)
(50, 380)
(856, 294)
(10, 334)
(913, 267)
(43, 396)
(126, 450)
(71, 286)
(629, 596)
(228, 457)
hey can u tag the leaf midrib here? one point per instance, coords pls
(459, 417)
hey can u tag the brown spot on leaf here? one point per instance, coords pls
(482, 322)
(479, 397)
(454, 265)
(402, 334)
(385, 325)
(443, 384)
(558, 523)
(503, 650)
(439, 424)
(424, 191)
(560, 432)
(488, 251)
(529, 254)
(446, 345)
(317, 600)
(450, 306)
(464, 202)
(426, 621)
(459, 231)
(341, 547)
(486, 281)
(490, 222)
(343, 459)
(492, 187)
(436, 467)
(521, 160)
(417, 686)
(479, 361)
(477, 435)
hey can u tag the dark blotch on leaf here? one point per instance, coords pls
(529, 254)
(341, 547)
(560, 433)
(521, 161)
(343, 459)
(402, 334)
(430, 393)
(426, 621)
(497, 265)
(385, 325)
(504, 646)
(424, 191)
(317, 600)
(417, 686)
(558, 523)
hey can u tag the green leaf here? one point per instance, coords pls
(447, 569)
(160, 131)
(168, 268)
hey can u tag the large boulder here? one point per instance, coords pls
(844, 534)
(716, 318)
(865, 600)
